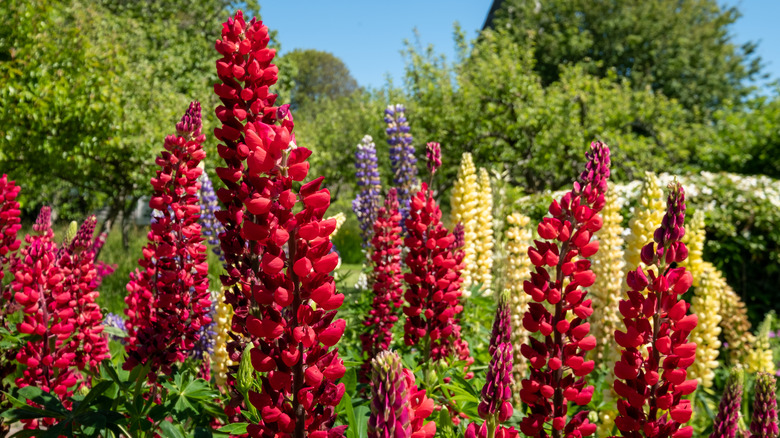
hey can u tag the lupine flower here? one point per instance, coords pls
(368, 200)
(763, 423)
(706, 305)
(10, 224)
(77, 268)
(735, 327)
(102, 269)
(340, 218)
(608, 267)
(47, 308)
(204, 347)
(402, 155)
(398, 408)
(386, 264)
(433, 156)
(695, 235)
(168, 299)
(277, 247)
(433, 283)
(727, 421)
(484, 242)
(518, 271)
(223, 313)
(656, 335)
(210, 226)
(759, 357)
(117, 322)
(558, 365)
(465, 207)
(495, 406)
(606, 292)
(645, 219)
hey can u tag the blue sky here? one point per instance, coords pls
(368, 35)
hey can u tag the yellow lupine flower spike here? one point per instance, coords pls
(223, 314)
(484, 247)
(706, 305)
(464, 203)
(518, 239)
(645, 220)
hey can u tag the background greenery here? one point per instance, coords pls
(91, 88)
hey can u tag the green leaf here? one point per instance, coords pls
(350, 381)
(91, 396)
(234, 428)
(43, 398)
(170, 430)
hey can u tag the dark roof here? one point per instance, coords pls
(491, 13)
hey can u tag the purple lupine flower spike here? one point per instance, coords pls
(366, 204)
(727, 421)
(402, 155)
(459, 233)
(210, 226)
(764, 421)
(191, 122)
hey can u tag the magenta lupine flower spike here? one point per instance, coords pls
(763, 423)
(433, 283)
(78, 270)
(10, 224)
(433, 156)
(398, 408)
(277, 248)
(651, 377)
(36, 285)
(495, 406)
(727, 421)
(168, 300)
(386, 258)
(558, 365)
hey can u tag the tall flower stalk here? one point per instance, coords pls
(558, 365)
(210, 226)
(464, 202)
(705, 303)
(763, 423)
(726, 423)
(398, 407)
(402, 155)
(484, 244)
(168, 300)
(48, 358)
(518, 271)
(366, 204)
(277, 248)
(387, 287)
(10, 223)
(495, 406)
(645, 219)
(223, 313)
(652, 376)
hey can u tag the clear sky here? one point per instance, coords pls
(368, 35)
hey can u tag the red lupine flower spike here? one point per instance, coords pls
(10, 224)
(47, 307)
(763, 423)
(278, 261)
(558, 364)
(386, 282)
(433, 283)
(168, 300)
(726, 424)
(651, 374)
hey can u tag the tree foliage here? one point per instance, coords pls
(317, 76)
(681, 48)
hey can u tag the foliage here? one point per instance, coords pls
(682, 49)
(316, 76)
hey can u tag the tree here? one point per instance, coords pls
(317, 76)
(88, 91)
(681, 48)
